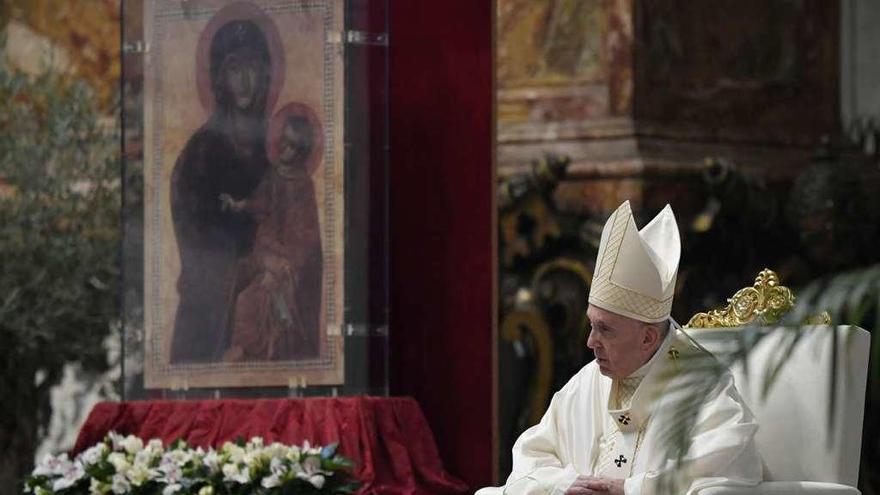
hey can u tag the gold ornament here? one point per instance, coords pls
(765, 301)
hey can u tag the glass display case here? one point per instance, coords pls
(255, 145)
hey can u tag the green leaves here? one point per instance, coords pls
(59, 239)
(59, 220)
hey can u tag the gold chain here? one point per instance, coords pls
(638, 444)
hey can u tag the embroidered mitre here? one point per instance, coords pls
(636, 269)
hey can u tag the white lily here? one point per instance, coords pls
(119, 484)
(251, 458)
(212, 461)
(132, 444)
(138, 464)
(51, 465)
(94, 454)
(98, 488)
(138, 475)
(73, 472)
(275, 450)
(143, 458)
(171, 473)
(116, 440)
(177, 457)
(119, 461)
(271, 481)
(312, 465)
(232, 472)
(170, 489)
(236, 453)
(317, 480)
(307, 449)
(277, 466)
(294, 453)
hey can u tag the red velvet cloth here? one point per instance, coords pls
(441, 213)
(388, 438)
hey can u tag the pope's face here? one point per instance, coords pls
(621, 345)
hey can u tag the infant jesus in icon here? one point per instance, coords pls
(277, 313)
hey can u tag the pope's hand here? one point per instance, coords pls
(593, 485)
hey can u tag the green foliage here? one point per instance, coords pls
(59, 243)
(59, 220)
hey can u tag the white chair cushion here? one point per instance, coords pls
(793, 436)
(784, 488)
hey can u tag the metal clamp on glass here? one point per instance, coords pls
(364, 38)
(137, 46)
(365, 330)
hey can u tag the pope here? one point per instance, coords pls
(614, 427)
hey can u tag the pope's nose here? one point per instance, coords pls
(591, 341)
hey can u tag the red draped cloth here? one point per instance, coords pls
(388, 438)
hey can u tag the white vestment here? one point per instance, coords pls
(566, 443)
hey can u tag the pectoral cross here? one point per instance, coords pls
(620, 460)
(624, 419)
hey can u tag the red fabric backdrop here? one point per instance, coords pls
(387, 437)
(441, 223)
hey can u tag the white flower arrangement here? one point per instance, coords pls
(125, 465)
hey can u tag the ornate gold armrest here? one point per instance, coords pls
(765, 301)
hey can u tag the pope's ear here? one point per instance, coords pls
(652, 336)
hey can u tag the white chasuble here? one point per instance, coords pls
(589, 431)
(621, 436)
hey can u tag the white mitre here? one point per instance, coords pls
(635, 269)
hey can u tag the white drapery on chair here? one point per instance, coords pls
(806, 448)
